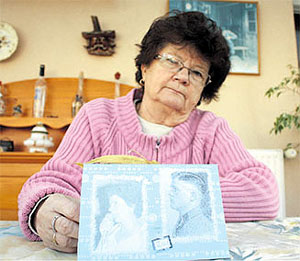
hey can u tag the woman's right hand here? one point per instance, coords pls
(57, 222)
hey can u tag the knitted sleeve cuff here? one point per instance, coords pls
(31, 214)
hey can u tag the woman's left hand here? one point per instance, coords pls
(57, 222)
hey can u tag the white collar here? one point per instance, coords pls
(154, 129)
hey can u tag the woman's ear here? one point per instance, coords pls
(143, 69)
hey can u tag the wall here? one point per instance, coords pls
(50, 32)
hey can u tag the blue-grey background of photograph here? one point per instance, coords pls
(238, 22)
(94, 175)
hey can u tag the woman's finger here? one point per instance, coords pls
(61, 244)
(65, 242)
(66, 227)
(67, 206)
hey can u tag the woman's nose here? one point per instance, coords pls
(183, 76)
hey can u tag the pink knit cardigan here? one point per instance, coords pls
(108, 127)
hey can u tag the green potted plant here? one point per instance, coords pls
(291, 119)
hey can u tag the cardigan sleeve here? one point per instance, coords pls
(249, 188)
(59, 174)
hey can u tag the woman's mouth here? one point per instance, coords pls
(176, 91)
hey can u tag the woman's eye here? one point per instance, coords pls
(172, 61)
(197, 73)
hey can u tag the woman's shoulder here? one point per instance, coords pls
(102, 113)
(105, 104)
(97, 114)
(208, 117)
(99, 109)
(210, 124)
(99, 103)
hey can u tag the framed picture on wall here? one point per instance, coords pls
(239, 24)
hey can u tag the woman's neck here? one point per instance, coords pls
(160, 114)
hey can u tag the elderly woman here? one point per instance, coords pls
(183, 60)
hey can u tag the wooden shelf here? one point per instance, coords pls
(60, 95)
(23, 122)
(25, 157)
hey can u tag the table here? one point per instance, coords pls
(263, 240)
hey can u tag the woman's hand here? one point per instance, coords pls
(57, 222)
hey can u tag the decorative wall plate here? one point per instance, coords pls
(8, 40)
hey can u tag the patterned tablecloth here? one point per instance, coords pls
(264, 240)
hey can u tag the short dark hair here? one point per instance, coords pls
(188, 29)
(196, 179)
(200, 181)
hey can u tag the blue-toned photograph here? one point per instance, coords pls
(151, 212)
(238, 21)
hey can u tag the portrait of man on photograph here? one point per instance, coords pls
(189, 197)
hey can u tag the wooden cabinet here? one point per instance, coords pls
(16, 167)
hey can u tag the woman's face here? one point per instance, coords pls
(178, 90)
(118, 209)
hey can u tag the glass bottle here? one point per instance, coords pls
(2, 102)
(40, 94)
(78, 102)
(117, 84)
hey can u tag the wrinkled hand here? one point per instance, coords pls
(66, 226)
